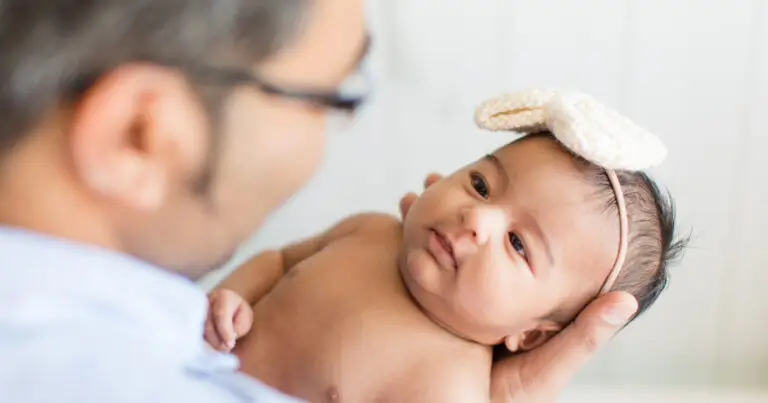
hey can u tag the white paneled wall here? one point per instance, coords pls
(694, 71)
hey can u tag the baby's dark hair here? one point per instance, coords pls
(653, 243)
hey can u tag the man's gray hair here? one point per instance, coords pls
(47, 47)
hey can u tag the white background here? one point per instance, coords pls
(693, 71)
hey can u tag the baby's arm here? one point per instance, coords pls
(256, 277)
(231, 302)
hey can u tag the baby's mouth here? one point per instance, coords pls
(442, 249)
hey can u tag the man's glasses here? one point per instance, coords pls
(347, 99)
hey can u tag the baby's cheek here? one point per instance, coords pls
(483, 301)
(510, 298)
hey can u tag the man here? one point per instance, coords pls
(140, 142)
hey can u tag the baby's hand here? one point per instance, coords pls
(229, 318)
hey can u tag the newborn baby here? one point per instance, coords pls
(500, 255)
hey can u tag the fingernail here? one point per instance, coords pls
(231, 344)
(618, 314)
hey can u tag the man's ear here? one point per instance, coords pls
(134, 131)
(534, 337)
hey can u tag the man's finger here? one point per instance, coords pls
(406, 202)
(555, 363)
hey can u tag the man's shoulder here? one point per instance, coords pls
(106, 371)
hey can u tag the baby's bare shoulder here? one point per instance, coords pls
(365, 224)
(375, 222)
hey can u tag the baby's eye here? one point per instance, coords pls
(517, 243)
(479, 184)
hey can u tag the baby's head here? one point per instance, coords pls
(510, 248)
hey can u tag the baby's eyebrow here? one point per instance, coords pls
(536, 229)
(502, 171)
(544, 240)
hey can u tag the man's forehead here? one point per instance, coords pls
(331, 44)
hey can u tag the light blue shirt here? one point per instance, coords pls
(81, 324)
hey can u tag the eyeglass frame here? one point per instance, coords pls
(323, 98)
(334, 100)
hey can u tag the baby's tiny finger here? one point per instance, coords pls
(243, 320)
(211, 336)
(223, 323)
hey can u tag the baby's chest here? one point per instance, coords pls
(349, 277)
(349, 292)
(341, 324)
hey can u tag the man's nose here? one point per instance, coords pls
(483, 222)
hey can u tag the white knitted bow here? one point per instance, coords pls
(583, 125)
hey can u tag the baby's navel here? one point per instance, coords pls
(332, 395)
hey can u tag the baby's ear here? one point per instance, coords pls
(532, 338)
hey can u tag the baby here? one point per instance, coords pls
(502, 254)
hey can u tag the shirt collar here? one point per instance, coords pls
(49, 279)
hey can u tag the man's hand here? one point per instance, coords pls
(540, 375)
(229, 318)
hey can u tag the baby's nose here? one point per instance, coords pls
(484, 222)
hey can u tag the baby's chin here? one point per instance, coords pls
(420, 272)
(423, 279)
(425, 282)
(434, 307)
(416, 274)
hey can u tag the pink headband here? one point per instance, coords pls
(623, 231)
(587, 128)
